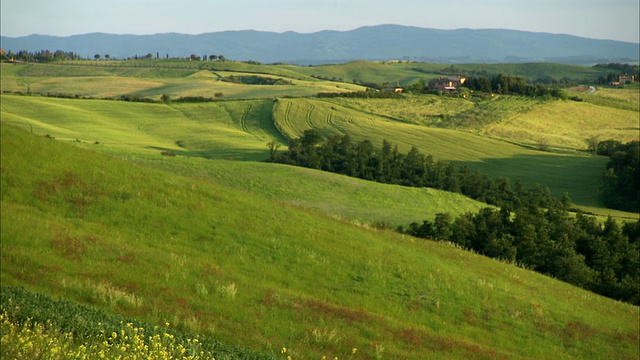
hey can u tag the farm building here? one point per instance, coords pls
(626, 78)
(446, 84)
(397, 89)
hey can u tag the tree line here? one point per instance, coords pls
(43, 56)
(602, 258)
(340, 154)
(46, 56)
(531, 228)
(514, 85)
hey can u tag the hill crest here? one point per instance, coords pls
(380, 42)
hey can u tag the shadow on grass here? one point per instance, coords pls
(577, 175)
(237, 154)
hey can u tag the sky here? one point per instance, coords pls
(596, 19)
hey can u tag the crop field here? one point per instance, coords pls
(420, 110)
(364, 71)
(211, 260)
(574, 173)
(151, 82)
(568, 125)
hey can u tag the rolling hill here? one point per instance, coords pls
(239, 130)
(161, 212)
(383, 42)
(247, 271)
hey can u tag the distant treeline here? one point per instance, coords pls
(42, 56)
(531, 227)
(622, 68)
(166, 98)
(256, 80)
(515, 85)
(621, 179)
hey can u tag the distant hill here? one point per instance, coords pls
(383, 42)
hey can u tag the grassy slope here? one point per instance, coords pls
(199, 133)
(573, 173)
(213, 260)
(175, 79)
(365, 71)
(240, 129)
(341, 197)
(567, 125)
(529, 71)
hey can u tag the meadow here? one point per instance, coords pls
(105, 80)
(213, 241)
(211, 260)
(239, 130)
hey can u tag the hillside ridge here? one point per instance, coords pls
(381, 42)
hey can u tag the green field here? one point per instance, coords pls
(239, 130)
(215, 242)
(215, 261)
(106, 81)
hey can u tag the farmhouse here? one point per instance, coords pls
(397, 89)
(626, 79)
(450, 83)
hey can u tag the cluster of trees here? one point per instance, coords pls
(508, 84)
(339, 154)
(622, 68)
(38, 56)
(621, 179)
(204, 57)
(602, 258)
(256, 80)
(531, 227)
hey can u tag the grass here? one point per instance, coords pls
(572, 172)
(217, 261)
(239, 130)
(199, 133)
(153, 79)
(362, 71)
(336, 196)
(549, 125)
(529, 71)
(427, 110)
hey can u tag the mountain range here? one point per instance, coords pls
(382, 42)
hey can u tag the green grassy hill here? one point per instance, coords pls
(209, 259)
(529, 71)
(152, 79)
(574, 173)
(239, 130)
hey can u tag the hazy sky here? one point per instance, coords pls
(598, 19)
